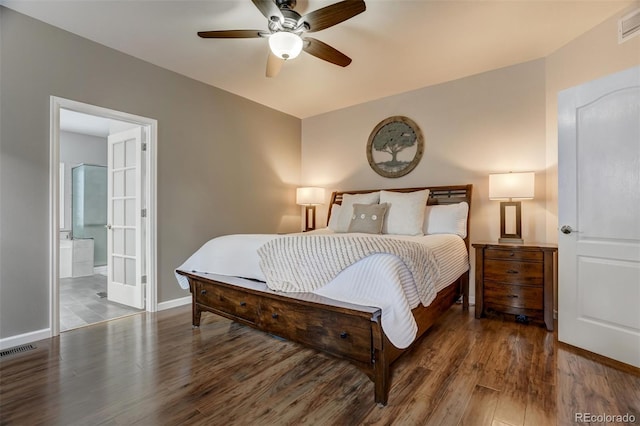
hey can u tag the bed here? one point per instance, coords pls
(337, 326)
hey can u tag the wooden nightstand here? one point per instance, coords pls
(516, 279)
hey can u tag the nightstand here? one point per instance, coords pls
(516, 279)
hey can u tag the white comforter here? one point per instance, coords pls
(380, 280)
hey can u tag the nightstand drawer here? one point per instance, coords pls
(513, 272)
(513, 295)
(514, 254)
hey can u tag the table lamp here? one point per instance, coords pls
(510, 187)
(309, 197)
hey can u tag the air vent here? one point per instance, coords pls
(629, 26)
(16, 350)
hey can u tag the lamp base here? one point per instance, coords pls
(511, 240)
(511, 233)
(309, 218)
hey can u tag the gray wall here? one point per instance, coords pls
(225, 164)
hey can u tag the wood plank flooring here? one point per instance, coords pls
(154, 369)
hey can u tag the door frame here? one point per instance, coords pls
(150, 127)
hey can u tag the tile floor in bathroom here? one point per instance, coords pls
(83, 301)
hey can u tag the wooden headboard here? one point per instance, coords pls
(437, 195)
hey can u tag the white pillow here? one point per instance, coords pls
(405, 215)
(348, 200)
(447, 219)
(333, 219)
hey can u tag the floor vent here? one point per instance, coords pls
(16, 350)
(629, 26)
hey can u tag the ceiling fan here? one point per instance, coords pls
(286, 29)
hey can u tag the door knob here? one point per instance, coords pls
(108, 226)
(566, 229)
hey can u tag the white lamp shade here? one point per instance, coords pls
(285, 45)
(309, 196)
(504, 186)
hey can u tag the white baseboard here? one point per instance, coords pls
(100, 270)
(23, 339)
(34, 336)
(174, 303)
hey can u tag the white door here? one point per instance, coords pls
(599, 216)
(124, 219)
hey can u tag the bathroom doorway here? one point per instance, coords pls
(103, 179)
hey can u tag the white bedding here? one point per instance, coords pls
(379, 280)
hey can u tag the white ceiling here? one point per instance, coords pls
(396, 45)
(76, 122)
(86, 124)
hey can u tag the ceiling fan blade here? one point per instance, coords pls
(325, 52)
(273, 65)
(268, 8)
(332, 14)
(232, 34)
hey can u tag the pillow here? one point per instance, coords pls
(333, 219)
(367, 218)
(447, 219)
(348, 200)
(405, 214)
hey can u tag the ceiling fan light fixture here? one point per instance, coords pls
(285, 45)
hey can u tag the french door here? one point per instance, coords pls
(124, 219)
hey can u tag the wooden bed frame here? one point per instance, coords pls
(348, 331)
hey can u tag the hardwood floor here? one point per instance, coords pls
(154, 369)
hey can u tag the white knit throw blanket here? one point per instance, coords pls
(303, 263)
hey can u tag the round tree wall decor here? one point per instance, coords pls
(395, 147)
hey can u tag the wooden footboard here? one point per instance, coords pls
(345, 330)
(348, 331)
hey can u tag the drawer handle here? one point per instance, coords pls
(243, 303)
(513, 296)
(344, 335)
(203, 292)
(274, 315)
(512, 271)
(512, 254)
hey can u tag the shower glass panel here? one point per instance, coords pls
(89, 207)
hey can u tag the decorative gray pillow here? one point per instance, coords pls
(348, 200)
(368, 218)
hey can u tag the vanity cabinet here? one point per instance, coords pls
(76, 258)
